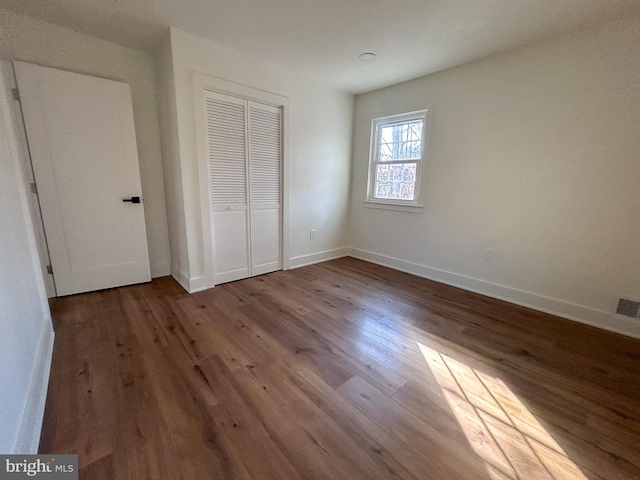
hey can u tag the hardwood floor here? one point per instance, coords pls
(338, 370)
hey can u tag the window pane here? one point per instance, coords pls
(400, 141)
(396, 181)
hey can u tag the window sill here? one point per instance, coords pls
(398, 207)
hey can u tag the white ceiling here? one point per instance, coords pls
(323, 38)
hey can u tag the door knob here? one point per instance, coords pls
(132, 199)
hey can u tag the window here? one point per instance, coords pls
(397, 152)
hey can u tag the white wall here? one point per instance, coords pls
(320, 136)
(30, 40)
(171, 155)
(534, 154)
(26, 334)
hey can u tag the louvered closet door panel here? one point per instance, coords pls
(265, 164)
(227, 156)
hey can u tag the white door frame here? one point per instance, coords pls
(202, 82)
(8, 74)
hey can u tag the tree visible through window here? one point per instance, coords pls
(397, 151)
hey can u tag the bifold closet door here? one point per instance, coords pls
(265, 154)
(245, 169)
(227, 152)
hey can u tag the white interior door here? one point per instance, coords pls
(265, 166)
(82, 141)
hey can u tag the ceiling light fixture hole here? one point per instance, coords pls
(367, 56)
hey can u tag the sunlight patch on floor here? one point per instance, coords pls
(499, 428)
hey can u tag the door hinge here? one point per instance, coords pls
(34, 188)
(16, 94)
(49, 270)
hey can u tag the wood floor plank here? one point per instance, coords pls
(384, 450)
(239, 427)
(342, 369)
(313, 442)
(432, 444)
(306, 342)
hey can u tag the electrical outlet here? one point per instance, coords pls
(312, 234)
(490, 255)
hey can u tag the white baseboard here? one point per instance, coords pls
(199, 284)
(304, 260)
(191, 285)
(555, 306)
(160, 270)
(31, 425)
(180, 277)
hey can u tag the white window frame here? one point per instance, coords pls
(376, 124)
